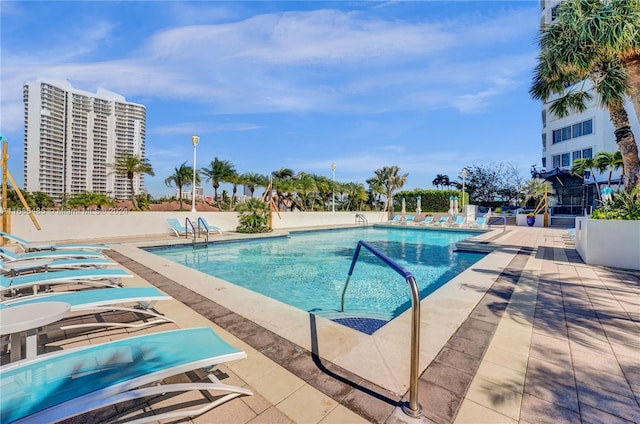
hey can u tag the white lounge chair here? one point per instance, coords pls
(109, 299)
(71, 382)
(90, 277)
(10, 255)
(35, 246)
(21, 266)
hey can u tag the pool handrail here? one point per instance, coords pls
(188, 224)
(495, 219)
(202, 222)
(413, 409)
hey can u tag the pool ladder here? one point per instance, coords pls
(413, 408)
(200, 227)
(361, 219)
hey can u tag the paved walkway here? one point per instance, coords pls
(552, 341)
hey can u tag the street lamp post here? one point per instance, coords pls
(194, 140)
(333, 188)
(464, 175)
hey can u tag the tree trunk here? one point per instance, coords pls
(627, 146)
(134, 201)
(633, 77)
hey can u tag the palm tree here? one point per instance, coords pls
(129, 165)
(219, 171)
(253, 180)
(441, 181)
(579, 167)
(391, 181)
(611, 161)
(598, 41)
(376, 189)
(183, 176)
(535, 189)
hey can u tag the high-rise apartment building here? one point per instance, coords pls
(70, 137)
(578, 135)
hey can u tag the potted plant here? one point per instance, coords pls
(531, 219)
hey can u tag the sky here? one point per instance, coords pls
(429, 86)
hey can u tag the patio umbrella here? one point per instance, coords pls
(419, 207)
(404, 206)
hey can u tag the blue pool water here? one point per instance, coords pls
(308, 270)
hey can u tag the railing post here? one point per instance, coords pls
(413, 408)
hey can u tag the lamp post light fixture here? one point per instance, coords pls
(194, 140)
(464, 175)
(333, 187)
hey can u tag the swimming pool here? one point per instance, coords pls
(308, 270)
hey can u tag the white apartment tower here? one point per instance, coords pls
(70, 136)
(578, 135)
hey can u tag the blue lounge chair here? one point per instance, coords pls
(426, 221)
(205, 227)
(8, 254)
(91, 277)
(480, 222)
(395, 219)
(31, 246)
(177, 228)
(110, 299)
(21, 266)
(458, 221)
(407, 219)
(442, 221)
(71, 382)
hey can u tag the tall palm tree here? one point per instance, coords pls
(579, 167)
(596, 41)
(183, 176)
(610, 161)
(130, 165)
(391, 181)
(376, 189)
(253, 180)
(219, 171)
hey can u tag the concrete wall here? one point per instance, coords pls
(608, 242)
(64, 225)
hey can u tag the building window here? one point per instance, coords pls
(573, 131)
(544, 118)
(544, 163)
(566, 159)
(544, 141)
(577, 155)
(556, 161)
(587, 153)
(554, 13)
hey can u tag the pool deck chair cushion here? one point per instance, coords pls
(98, 300)
(442, 221)
(36, 246)
(68, 383)
(69, 254)
(480, 222)
(458, 221)
(396, 218)
(90, 277)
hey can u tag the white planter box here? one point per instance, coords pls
(608, 242)
(521, 220)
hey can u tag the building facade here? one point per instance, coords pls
(576, 136)
(71, 137)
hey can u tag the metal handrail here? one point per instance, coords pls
(413, 409)
(188, 223)
(206, 228)
(496, 219)
(361, 219)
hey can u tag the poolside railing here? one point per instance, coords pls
(496, 219)
(203, 228)
(413, 409)
(188, 224)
